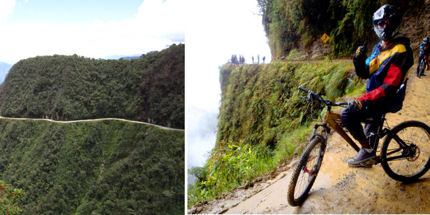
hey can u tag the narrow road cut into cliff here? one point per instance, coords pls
(339, 189)
(93, 120)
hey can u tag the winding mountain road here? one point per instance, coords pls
(93, 120)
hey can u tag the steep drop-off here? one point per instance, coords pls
(263, 121)
(261, 103)
(149, 88)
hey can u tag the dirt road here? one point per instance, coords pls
(339, 189)
(93, 120)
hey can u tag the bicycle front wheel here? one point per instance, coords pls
(405, 153)
(306, 171)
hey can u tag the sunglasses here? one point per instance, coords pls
(382, 22)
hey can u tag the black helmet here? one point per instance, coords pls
(389, 17)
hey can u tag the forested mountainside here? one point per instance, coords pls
(94, 167)
(299, 24)
(149, 88)
(107, 167)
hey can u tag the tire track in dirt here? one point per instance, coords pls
(338, 188)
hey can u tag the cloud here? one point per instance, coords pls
(201, 127)
(155, 26)
(216, 29)
(6, 8)
(166, 18)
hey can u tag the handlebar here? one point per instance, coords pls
(313, 95)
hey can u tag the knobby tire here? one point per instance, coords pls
(391, 148)
(317, 143)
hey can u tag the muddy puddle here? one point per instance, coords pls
(338, 188)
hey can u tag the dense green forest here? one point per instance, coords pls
(107, 167)
(149, 88)
(297, 24)
(99, 167)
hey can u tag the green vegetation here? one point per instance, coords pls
(291, 24)
(10, 199)
(108, 167)
(263, 121)
(103, 167)
(150, 88)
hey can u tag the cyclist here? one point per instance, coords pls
(387, 69)
(424, 51)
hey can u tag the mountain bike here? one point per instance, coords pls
(404, 155)
(422, 67)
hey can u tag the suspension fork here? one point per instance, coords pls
(326, 131)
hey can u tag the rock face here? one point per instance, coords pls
(417, 26)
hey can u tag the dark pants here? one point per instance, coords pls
(419, 61)
(352, 119)
(420, 57)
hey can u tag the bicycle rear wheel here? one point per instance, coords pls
(306, 171)
(405, 153)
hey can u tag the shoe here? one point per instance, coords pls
(363, 159)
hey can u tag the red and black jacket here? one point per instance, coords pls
(387, 69)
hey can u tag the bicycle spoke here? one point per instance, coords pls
(305, 175)
(309, 165)
(408, 151)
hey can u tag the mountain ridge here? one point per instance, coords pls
(119, 145)
(150, 88)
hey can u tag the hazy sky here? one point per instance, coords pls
(92, 28)
(216, 29)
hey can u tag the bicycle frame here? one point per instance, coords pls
(333, 120)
